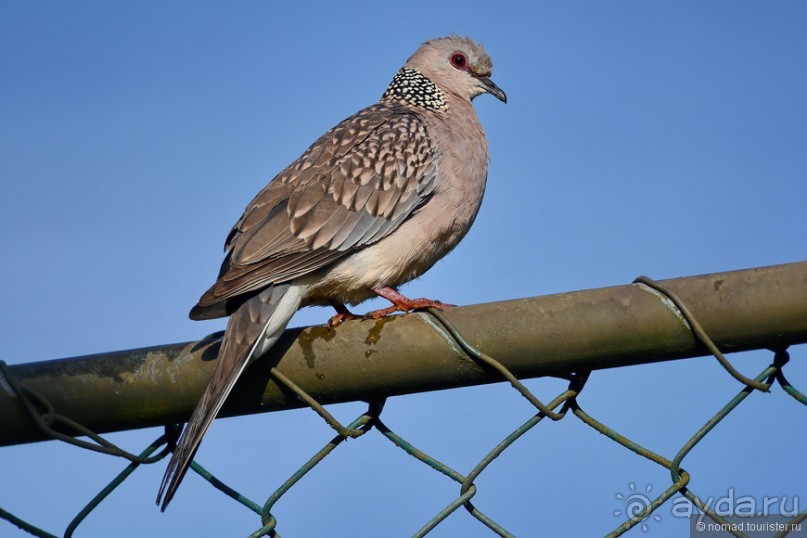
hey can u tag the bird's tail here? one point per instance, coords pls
(252, 329)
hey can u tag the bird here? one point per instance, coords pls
(372, 204)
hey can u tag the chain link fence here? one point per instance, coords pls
(56, 426)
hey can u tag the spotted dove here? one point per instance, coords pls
(372, 204)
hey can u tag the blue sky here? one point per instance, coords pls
(643, 137)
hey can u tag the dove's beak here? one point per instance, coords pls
(492, 89)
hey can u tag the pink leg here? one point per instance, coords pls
(342, 314)
(401, 303)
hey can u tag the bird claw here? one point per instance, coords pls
(399, 304)
(407, 306)
(341, 317)
(342, 314)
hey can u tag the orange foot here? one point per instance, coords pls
(342, 314)
(402, 304)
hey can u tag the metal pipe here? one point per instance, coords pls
(360, 360)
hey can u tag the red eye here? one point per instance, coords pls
(459, 60)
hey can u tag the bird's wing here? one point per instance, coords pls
(352, 187)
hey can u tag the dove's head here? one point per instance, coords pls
(456, 65)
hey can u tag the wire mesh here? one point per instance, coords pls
(62, 428)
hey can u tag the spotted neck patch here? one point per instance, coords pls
(415, 89)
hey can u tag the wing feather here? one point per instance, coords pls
(351, 188)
